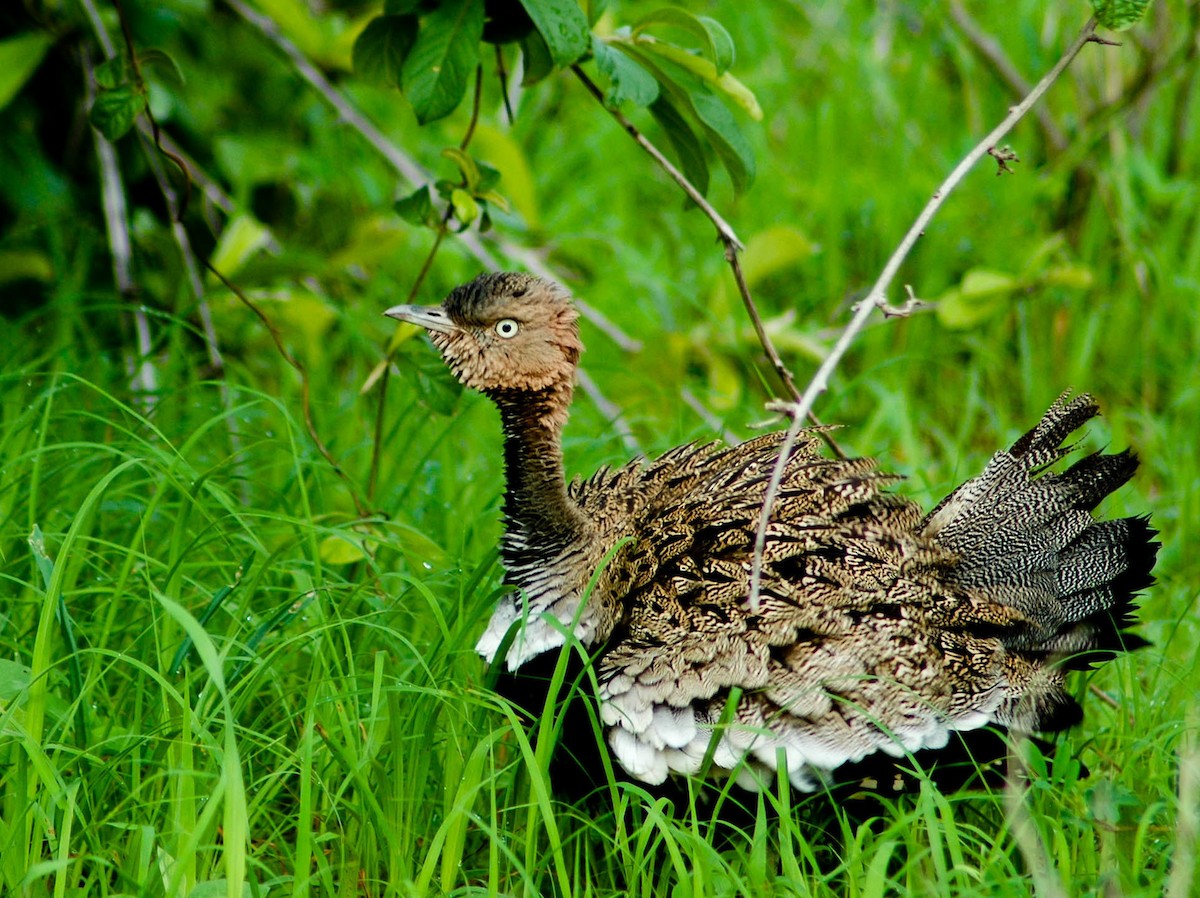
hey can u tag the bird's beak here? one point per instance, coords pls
(432, 318)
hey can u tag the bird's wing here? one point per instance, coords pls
(853, 649)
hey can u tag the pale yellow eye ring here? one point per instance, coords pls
(507, 328)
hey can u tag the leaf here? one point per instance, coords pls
(340, 550)
(466, 210)
(629, 81)
(1075, 277)
(516, 177)
(440, 64)
(14, 679)
(563, 26)
(1117, 15)
(595, 9)
(115, 111)
(688, 149)
(19, 59)
(703, 69)
(18, 264)
(979, 295)
(536, 58)
(400, 7)
(113, 73)
(773, 250)
(242, 238)
(466, 166)
(164, 63)
(692, 98)
(380, 51)
(417, 208)
(717, 43)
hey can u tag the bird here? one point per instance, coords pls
(880, 632)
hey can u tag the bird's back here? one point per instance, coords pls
(878, 630)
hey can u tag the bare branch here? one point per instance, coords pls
(878, 294)
(725, 233)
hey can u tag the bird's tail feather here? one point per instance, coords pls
(1025, 536)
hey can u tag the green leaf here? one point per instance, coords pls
(629, 81)
(703, 69)
(441, 62)
(113, 73)
(400, 7)
(981, 294)
(715, 40)
(14, 679)
(1117, 15)
(1075, 277)
(536, 58)
(340, 550)
(19, 59)
(466, 166)
(563, 26)
(688, 149)
(115, 111)
(693, 99)
(18, 264)
(595, 9)
(773, 250)
(466, 210)
(417, 208)
(243, 236)
(382, 47)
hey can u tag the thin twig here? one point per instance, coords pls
(725, 233)
(877, 297)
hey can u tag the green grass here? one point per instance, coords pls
(213, 669)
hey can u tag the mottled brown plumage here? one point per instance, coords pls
(880, 629)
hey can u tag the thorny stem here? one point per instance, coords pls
(877, 297)
(725, 233)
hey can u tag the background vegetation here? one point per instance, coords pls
(228, 666)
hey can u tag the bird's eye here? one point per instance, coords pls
(507, 328)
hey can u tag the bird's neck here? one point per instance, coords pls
(537, 510)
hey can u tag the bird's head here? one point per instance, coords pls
(503, 332)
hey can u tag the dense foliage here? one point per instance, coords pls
(247, 542)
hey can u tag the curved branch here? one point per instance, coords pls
(877, 297)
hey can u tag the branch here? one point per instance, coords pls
(725, 234)
(877, 297)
